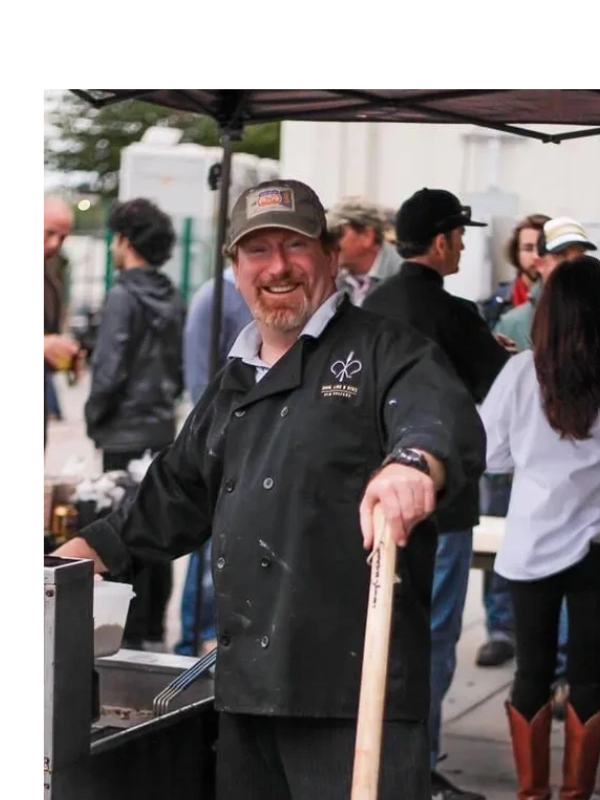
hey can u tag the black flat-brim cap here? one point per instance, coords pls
(430, 212)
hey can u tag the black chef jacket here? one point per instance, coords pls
(416, 297)
(276, 470)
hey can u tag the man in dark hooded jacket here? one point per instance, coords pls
(137, 373)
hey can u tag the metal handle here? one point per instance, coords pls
(160, 704)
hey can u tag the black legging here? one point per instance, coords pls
(536, 608)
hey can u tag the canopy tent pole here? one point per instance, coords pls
(217, 307)
(227, 139)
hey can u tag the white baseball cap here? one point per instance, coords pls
(561, 232)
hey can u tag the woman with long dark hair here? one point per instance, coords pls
(543, 422)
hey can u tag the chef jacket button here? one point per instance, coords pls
(224, 639)
(284, 411)
(240, 412)
(265, 641)
(229, 485)
(265, 562)
(220, 562)
(268, 483)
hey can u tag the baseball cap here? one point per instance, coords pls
(287, 204)
(560, 233)
(429, 212)
(358, 211)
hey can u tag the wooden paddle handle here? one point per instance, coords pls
(367, 752)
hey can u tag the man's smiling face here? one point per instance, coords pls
(283, 276)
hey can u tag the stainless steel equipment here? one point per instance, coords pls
(136, 754)
(126, 727)
(68, 669)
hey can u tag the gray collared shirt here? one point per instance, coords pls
(358, 287)
(247, 345)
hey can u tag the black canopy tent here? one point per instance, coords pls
(506, 110)
(503, 109)
(500, 109)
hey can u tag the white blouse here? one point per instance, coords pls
(554, 511)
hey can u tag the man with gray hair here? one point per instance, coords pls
(366, 256)
(60, 351)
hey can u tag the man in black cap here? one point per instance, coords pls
(429, 227)
(322, 411)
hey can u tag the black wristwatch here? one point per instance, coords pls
(409, 457)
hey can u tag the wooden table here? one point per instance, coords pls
(487, 537)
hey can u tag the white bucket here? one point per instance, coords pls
(111, 605)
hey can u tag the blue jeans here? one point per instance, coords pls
(498, 608)
(494, 500)
(51, 395)
(563, 636)
(450, 581)
(185, 647)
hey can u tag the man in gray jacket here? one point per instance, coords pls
(366, 257)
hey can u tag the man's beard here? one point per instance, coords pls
(282, 318)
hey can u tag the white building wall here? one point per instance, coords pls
(388, 162)
(502, 176)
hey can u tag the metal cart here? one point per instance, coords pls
(133, 725)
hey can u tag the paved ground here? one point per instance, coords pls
(475, 731)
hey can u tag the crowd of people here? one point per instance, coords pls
(350, 377)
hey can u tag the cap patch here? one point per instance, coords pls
(267, 200)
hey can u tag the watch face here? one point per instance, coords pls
(412, 459)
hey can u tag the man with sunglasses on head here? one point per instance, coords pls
(430, 227)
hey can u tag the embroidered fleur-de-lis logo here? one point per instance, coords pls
(343, 370)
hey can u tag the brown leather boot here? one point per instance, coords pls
(531, 751)
(582, 753)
